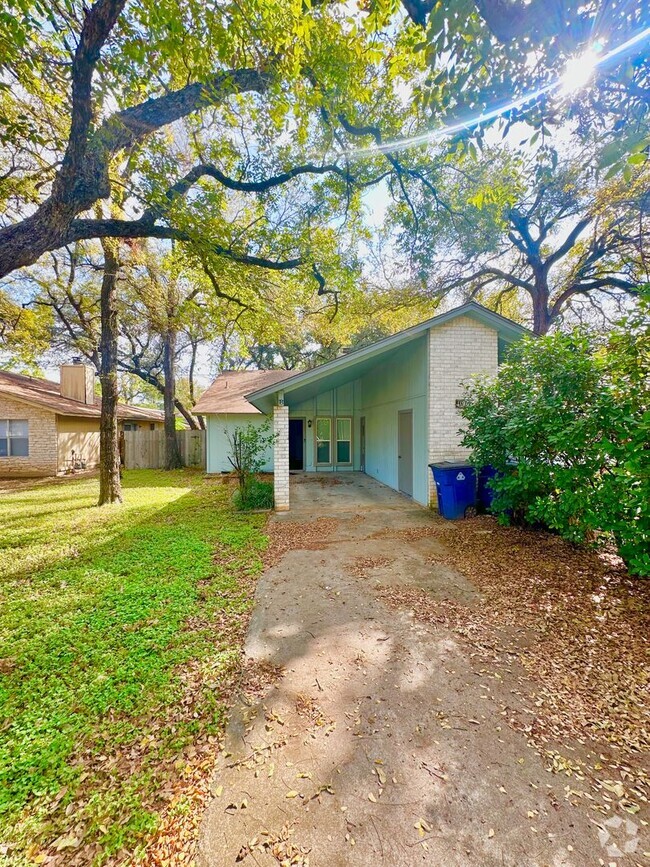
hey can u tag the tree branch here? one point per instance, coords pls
(181, 187)
(569, 242)
(83, 230)
(86, 177)
(585, 287)
(98, 23)
(126, 128)
(497, 274)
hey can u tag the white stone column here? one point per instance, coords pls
(281, 458)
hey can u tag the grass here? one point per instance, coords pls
(258, 495)
(120, 634)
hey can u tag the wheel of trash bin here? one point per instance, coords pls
(470, 512)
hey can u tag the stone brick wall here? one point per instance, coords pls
(281, 458)
(457, 351)
(42, 459)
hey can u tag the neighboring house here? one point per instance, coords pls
(225, 407)
(49, 427)
(388, 409)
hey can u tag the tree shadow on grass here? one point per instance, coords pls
(93, 661)
(73, 539)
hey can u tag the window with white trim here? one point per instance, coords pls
(14, 438)
(323, 440)
(335, 449)
(343, 440)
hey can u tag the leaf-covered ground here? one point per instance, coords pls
(120, 637)
(579, 626)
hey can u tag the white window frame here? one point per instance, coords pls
(6, 423)
(327, 463)
(348, 419)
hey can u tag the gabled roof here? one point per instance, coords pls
(363, 358)
(226, 394)
(47, 394)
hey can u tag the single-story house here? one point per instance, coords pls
(49, 427)
(388, 409)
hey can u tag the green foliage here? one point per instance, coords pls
(257, 495)
(505, 236)
(101, 612)
(485, 54)
(573, 412)
(248, 448)
(24, 333)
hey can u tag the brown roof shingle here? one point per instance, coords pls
(226, 394)
(45, 393)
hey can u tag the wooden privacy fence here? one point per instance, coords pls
(145, 449)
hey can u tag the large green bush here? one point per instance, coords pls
(572, 411)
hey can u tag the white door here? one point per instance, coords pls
(405, 452)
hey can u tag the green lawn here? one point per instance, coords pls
(120, 631)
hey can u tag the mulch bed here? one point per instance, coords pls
(580, 627)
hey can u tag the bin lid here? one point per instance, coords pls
(451, 465)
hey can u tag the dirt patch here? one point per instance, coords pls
(185, 789)
(174, 843)
(10, 485)
(361, 566)
(591, 623)
(325, 481)
(409, 534)
(295, 535)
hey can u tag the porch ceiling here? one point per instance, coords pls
(334, 379)
(298, 389)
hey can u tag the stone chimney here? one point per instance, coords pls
(78, 381)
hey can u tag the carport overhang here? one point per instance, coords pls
(277, 399)
(355, 364)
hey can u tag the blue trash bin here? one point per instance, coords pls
(456, 488)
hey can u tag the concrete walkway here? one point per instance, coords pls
(383, 742)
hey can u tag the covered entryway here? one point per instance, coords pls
(390, 408)
(350, 415)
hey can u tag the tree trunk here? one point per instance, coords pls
(172, 452)
(110, 485)
(152, 379)
(199, 418)
(541, 316)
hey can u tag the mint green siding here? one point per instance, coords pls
(396, 384)
(399, 383)
(217, 446)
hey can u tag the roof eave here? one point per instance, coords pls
(506, 327)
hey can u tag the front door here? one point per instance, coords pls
(362, 443)
(296, 444)
(405, 452)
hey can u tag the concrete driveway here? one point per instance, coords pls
(383, 741)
